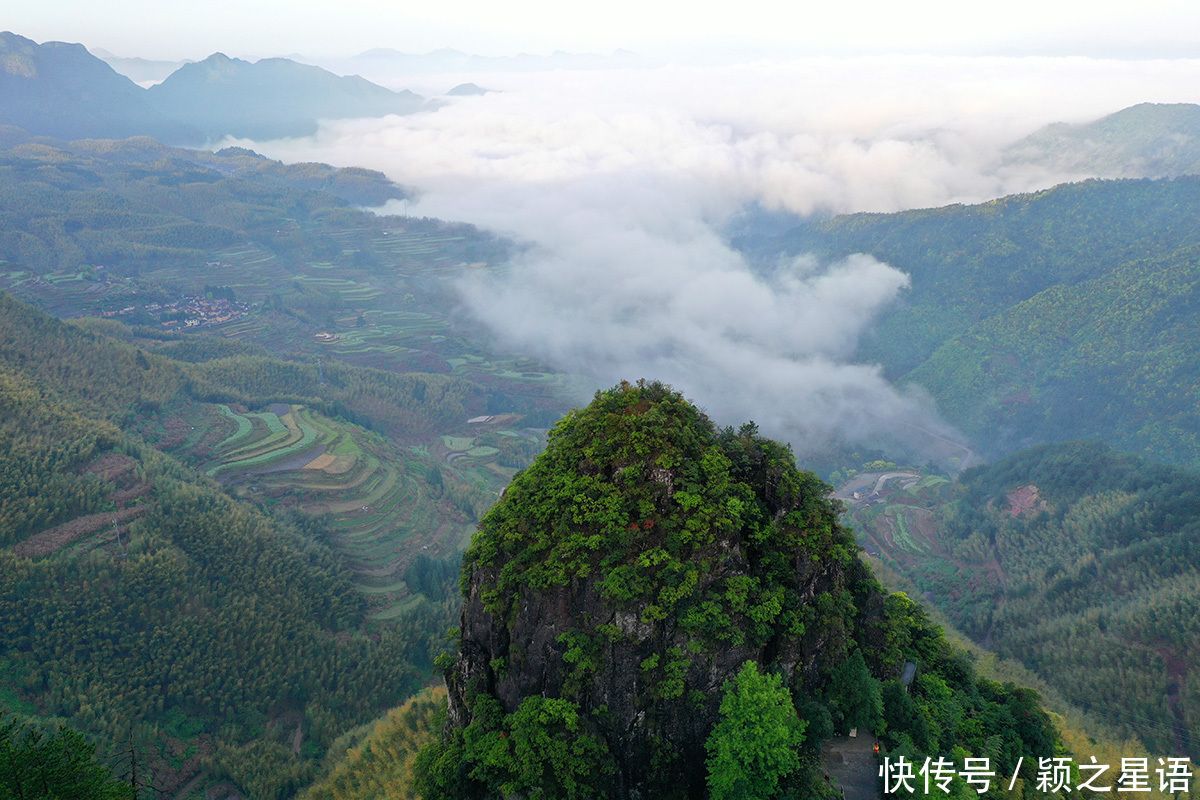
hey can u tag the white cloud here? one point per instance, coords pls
(624, 178)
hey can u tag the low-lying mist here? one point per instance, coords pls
(622, 181)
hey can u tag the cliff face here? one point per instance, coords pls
(625, 576)
(642, 721)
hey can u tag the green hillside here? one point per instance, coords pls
(132, 593)
(1111, 358)
(1049, 316)
(659, 607)
(1150, 140)
(177, 242)
(233, 640)
(1080, 562)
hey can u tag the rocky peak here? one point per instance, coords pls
(620, 582)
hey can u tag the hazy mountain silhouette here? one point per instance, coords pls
(466, 90)
(61, 90)
(271, 98)
(1149, 140)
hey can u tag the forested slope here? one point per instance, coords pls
(1050, 316)
(661, 608)
(1078, 561)
(137, 598)
(1148, 140)
(235, 641)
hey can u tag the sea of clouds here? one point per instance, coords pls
(622, 182)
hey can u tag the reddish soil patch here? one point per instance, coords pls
(132, 493)
(1024, 500)
(883, 526)
(923, 526)
(110, 466)
(176, 432)
(54, 539)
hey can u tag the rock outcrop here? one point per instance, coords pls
(630, 571)
(661, 609)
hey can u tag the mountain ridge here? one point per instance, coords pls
(64, 91)
(1147, 140)
(279, 97)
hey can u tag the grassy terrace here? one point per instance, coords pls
(379, 506)
(385, 293)
(388, 296)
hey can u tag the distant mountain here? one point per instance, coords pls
(271, 98)
(1149, 140)
(142, 71)
(62, 90)
(466, 90)
(355, 185)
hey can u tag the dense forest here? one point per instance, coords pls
(61, 764)
(1045, 317)
(1078, 561)
(204, 499)
(139, 600)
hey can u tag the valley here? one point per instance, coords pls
(1046, 530)
(251, 425)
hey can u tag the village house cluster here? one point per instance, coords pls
(192, 311)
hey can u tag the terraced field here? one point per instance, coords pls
(891, 513)
(377, 500)
(900, 521)
(385, 288)
(66, 292)
(387, 295)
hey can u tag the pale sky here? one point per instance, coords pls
(172, 29)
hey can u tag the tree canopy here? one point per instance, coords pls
(757, 740)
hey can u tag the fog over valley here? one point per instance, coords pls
(622, 183)
(654, 400)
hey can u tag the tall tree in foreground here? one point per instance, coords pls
(757, 741)
(62, 766)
